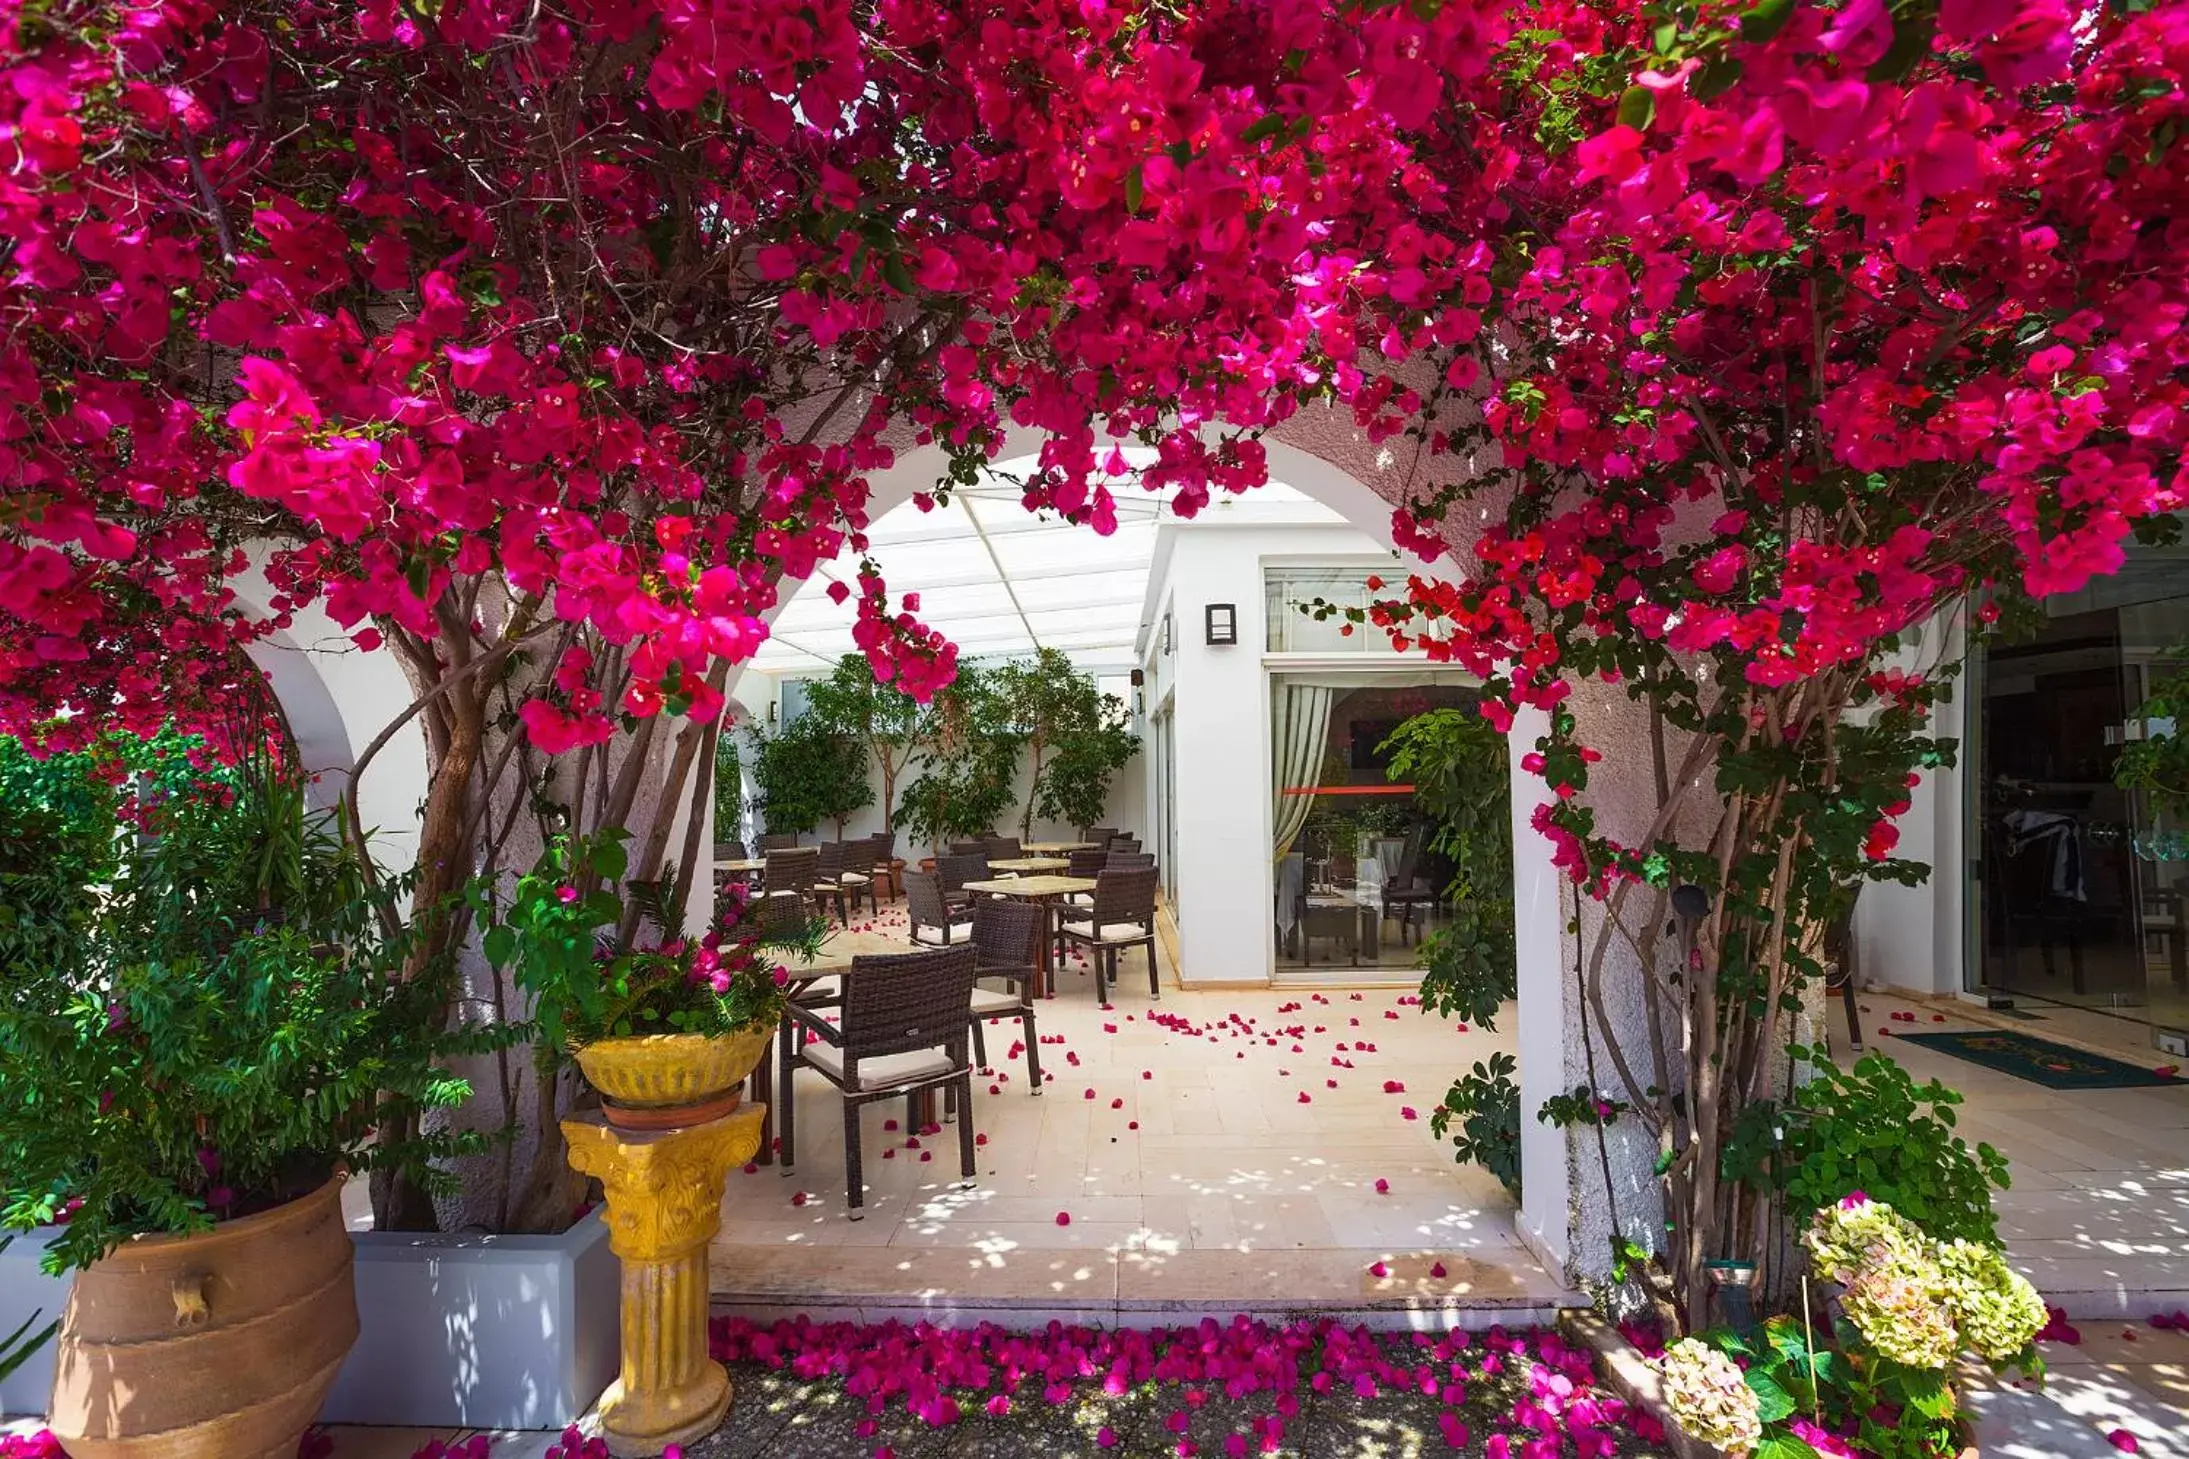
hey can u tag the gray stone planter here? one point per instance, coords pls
(23, 1290)
(483, 1332)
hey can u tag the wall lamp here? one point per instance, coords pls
(1223, 624)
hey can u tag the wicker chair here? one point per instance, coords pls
(882, 851)
(956, 871)
(1007, 947)
(1001, 848)
(1100, 837)
(828, 871)
(968, 848)
(1127, 860)
(782, 841)
(853, 874)
(729, 851)
(906, 1026)
(1085, 864)
(791, 873)
(1123, 916)
(1124, 843)
(936, 922)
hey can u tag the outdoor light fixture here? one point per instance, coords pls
(1223, 624)
(1139, 677)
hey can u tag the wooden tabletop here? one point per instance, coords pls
(1056, 848)
(741, 866)
(836, 953)
(1030, 863)
(1033, 887)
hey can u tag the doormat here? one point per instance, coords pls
(2041, 1061)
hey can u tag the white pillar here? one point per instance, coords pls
(1539, 949)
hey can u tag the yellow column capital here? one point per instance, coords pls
(664, 1187)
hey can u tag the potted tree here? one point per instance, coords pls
(1076, 738)
(192, 1057)
(969, 753)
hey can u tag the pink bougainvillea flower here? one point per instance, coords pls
(1064, 1218)
(2122, 1440)
(1383, 1187)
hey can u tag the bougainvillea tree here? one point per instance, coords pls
(537, 343)
(1806, 325)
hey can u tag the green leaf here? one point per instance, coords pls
(1766, 20)
(500, 945)
(1783, 1446)
(1662, 38)
(897, 276)
(1911, 43)
(1268, 126)
(608, 859)
(1773, 1402)
(1135, 188)
(1637, 104)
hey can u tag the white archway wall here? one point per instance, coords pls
(337, 698)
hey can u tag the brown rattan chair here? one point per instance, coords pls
(1007, 948)
(955, 871)
(1123, 916)
(853, 875)
(1124, 843)
(1085, 864)
(936, 922)
(905, 1029)
(882, 852)
(1099, 837)
(968, 848)
(791, 873)
(1001, 848)
(781, 841)
(828, 884)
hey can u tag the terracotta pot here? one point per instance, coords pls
(222, 1343)
(666, 1070)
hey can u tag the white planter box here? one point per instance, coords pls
(23, 1290)
(482, 1332)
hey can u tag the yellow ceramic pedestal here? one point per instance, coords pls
(664, 1205)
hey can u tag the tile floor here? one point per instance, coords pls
(1213, 1148)
(2098, 1213)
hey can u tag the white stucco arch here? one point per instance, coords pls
(337, 698)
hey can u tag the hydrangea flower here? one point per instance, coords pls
(1897, 1308)
(1857, 1232)
(1707, 1395)
(1998, 1311)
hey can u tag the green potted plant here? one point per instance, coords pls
(655, 1020)
(969, 753)
(204, 1015)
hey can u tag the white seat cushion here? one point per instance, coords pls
(936, 937)
(886, 1072)
(854, 878)
(1111, 931)
(987, 1004)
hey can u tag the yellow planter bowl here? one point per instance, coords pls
(661, 1071)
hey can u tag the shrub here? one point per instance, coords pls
(217, 1033)
(1486, 1103)
(1871, 1128)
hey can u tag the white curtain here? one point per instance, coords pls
(1302, 714)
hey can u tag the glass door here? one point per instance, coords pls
(2081, 891)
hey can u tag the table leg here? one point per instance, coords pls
(763, 1093)
(1045, 965)
(923, 1111)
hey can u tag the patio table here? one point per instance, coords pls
(746, 867)
(833, 960)
(1043, 892)
(1055, 848)
(1027, 864)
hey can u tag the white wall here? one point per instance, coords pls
(1911, 937)
(1222, 880)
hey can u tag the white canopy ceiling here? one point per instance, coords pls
(996, 579)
